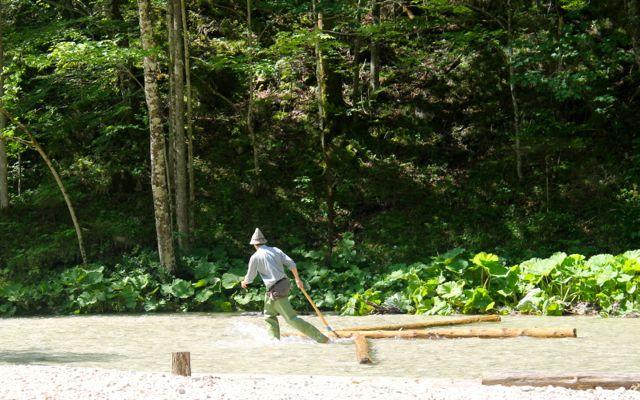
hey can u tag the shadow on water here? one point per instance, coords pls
(53, 357)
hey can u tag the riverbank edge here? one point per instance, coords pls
(63, 382)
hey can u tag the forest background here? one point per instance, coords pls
(412, 156)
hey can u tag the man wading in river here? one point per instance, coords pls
(269, 262)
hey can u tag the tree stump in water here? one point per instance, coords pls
(181, 363)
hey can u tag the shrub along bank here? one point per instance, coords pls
(454, 282)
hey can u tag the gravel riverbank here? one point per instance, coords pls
(52, 382)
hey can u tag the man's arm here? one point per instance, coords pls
(251, 274)
(299, 283)
(289, 263)
(286, 260)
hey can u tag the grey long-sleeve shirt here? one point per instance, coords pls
(269, 262)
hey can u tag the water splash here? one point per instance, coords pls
(338, 340)
(247, 334)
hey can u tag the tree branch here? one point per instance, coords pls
(485, 13)
(128, 71)
(34, 143)
(220, 95)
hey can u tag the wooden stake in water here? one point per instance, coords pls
(362, 349)
(181, 363)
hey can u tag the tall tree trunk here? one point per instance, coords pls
(252, 134)
(250, 127)
(189, 99)
(325, 130)
(19, 174)
(512, 90)
(546, 181)
(375, 50)
(36, 145)
(171, 100)
(157, 142)
(559, 28)
(356, 90)
(182, 199)
(4, 182)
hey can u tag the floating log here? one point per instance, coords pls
(181, 363)
(426, 324)
(362, 349)
(488, 333)
(567, 380)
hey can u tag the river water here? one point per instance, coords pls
(227, 343)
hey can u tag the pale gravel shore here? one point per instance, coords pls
(52, 382)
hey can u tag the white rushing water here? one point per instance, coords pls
(227, 343)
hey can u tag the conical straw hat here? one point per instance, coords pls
(258, 237)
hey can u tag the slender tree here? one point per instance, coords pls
(506, 23)
(329, 102)
(512, 90)
(356, 88)
(633, 22)
(169, 149)
(250, 100)
(157, 141)
(4, 183)
(171, 99)
(32, 142)
(559, 27)
(180, 140)
(189, 102)
(375, 49)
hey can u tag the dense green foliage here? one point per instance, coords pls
(423, 164)
(560, 284)
(454, 282)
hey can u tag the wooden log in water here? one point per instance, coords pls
(181, 363)
(486, 333)
(567, 380)
(362, 349)
(426, 324)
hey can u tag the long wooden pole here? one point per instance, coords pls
(470, 332)
(492, 333)
(568, 380)
(324, 321)
(426, 324)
